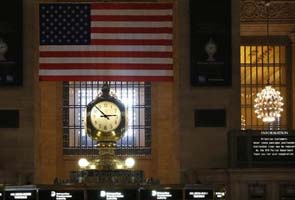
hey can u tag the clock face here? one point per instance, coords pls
(105, 116)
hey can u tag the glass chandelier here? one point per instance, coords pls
(268, 103)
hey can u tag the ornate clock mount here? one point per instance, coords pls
(106, 124)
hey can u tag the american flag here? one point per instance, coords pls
(106, 41)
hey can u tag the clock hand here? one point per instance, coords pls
(109, 115)
(103, 114)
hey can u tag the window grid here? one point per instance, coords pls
(137, 98)
(262, 65)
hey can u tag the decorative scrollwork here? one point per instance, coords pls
(279, 11)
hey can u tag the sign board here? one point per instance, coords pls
(112, 194)
(196, 194)
(160, 194)
(20, 195)
(210, 42)
(61, 194)
(11, 47)
(271, 148)
(219, 195)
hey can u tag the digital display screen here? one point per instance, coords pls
(120, 194)
(20, 195)
(273, 146)
(160, 194)
(191, 194)
(61, 194)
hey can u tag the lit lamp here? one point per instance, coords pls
(129, 163)
(83, 163)
(268, 102)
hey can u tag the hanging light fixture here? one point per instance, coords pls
(268, 102)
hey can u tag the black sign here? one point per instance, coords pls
(160, 194)
(124, 194)
(205, 194)
(11, 43)
(20, 195)
(219, 195)
(210, 118)
(210, 39)
(273, 146)
(61, 194)
(262, 148)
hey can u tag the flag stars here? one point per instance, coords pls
(64, 24)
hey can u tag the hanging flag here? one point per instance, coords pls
(106, 41)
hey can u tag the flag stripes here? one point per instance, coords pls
(128, 41)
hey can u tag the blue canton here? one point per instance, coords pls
(64, 24)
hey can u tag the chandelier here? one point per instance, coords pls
(268, 104)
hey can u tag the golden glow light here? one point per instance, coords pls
(129, 162)
(268, 104)
(83, 162)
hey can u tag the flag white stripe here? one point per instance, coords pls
(129, 48)
(105, 72)
(104, 24)
(73, 60)
(132, 12)
(122, 36)
(157, 61)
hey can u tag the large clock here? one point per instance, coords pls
(105, 117)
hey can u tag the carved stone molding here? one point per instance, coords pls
(279, 11)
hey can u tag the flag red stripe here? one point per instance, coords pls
(130, 42)
(131, 18)
(105, 78)
(106, 54)
(111, 48)
(106, 66)
(129, 30)
(132, 6)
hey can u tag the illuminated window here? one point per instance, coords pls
(135, 96)
(261, 65)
